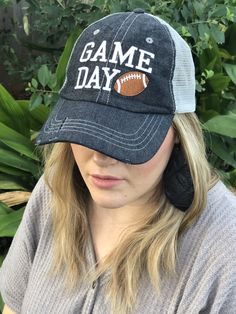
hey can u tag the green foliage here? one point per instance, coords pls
(20, 164)
(42, 88)
(61, 68)
(224, 125)
(46, 25)
(9, 220)
(18, 127)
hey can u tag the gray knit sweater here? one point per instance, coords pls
(206, 268)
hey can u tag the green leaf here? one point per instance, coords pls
(119, 6)
(52, 82)
(12, 114)
(61, 67)
(14, 160)
(99, 3)
(193, 31)
(39, 116)
(4, 209)
(208, 114)
(203, 29)
(91, 18)
(218, 35)
(8, 182)
(43, 75)
(219, 11)
(218, 146)
(199, 8)
(10, 223)
(35, 100)
(218, 82)
(232, 179)
(115, 6)
(13, 171)
(209, 59)
(137, 4)
(224, 125)
(211, 65)
(211, 102)
(47, 98)
(184, 32)
(185, 12)
(1, 261)
(231, 71)
(230, 35)
(34, 83)
(17, 142)
(2, 257)
(225, 54)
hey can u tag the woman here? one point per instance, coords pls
(128, 216)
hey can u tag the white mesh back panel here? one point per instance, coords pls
(184, 73)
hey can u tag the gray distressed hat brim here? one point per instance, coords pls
(124, 135)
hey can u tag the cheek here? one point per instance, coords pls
(152, 170)
(149, 173)
(80, 155)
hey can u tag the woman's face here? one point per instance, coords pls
(114, 184)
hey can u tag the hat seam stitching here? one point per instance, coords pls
(109, 54)
(173, 54)
(80, 125)
(108, 96)
(127, 146)
(97, 126)
(62, 122)
(172, 67)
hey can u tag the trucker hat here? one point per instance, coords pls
(129, 73)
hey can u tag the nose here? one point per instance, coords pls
(103, 160)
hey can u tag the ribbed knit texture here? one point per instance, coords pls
(206, 268)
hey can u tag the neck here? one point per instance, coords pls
(117, 217)
(107, 225)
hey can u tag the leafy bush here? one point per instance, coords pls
(20, 166)
(46, 26)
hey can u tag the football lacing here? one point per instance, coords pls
(130, 76)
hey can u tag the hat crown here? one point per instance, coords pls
(133, 61)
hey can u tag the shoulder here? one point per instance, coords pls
(218, 219)
(213, 235)
(220, 210)
(37, 209)
(207, 253)
(219, 194)
(16, 267)
(40, 196)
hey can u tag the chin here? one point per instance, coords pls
(108, 202)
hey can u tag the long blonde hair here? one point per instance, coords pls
(150, 245)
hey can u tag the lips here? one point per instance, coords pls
(105, 177)
(101, 181)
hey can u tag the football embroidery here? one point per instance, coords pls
(131, 83)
